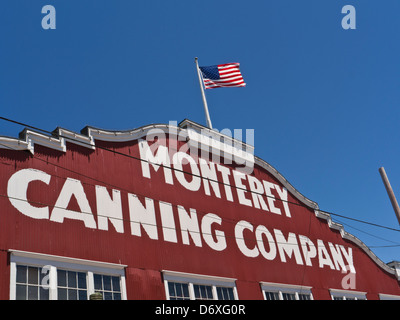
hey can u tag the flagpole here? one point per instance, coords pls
(390, 193)
(203, 95)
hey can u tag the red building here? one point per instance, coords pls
(168, 212)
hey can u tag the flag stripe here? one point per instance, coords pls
(222, 82)
(227, 78)
(226, 84)
(223, 75)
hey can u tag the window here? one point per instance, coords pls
(185, 286)
(347, 295)
(304, 296)
(178, 291)
(276, 291)
(108, 286)
(269, 295)
(29, 284)
(225, 293)
(37, 276)
(71, 285)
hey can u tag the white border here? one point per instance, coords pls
(384, 296)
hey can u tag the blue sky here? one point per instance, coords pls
(323, 101)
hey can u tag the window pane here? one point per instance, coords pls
(61, 278)
(33, 292)
(82, 294)
(72, 279)
(44, 276)
(21, 274)
(178, 289)
(21, 292)
(197, 291)
(271, 295)
(220, 294)
(33, 275)
(304, 296)
(62, 294)
(225, 293)
(107, 295)
(117, 296)
(185, 289)
(209, 292)
(203, 292)
(81, 280)
(72, 294)
(97, 282)
(115, 284)
(171, 289)
(289, 296)
(107, 283)
(230, 295)
(44, 293)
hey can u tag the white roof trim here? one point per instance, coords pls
(62, 259)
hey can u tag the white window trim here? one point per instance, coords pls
(191, 279)
(347, 294)
(54, 262)
(282, 288)
(383, 296)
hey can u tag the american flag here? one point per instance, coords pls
(222, 75)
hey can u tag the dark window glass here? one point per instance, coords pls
(271, 295)
(61, 278)
(107, 283)
(33, 293)
(115, 284)
(225, 293)
(21, 292)
(97, 282)
(62, 294)
(81, 280)
(72, 279)
(72, 294)
(33, 276)
(21, 274)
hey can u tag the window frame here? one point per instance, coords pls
(347, 294)
(53, 262)
(281, 289)
(198, 279)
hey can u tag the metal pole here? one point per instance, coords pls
(390, 193)
(203, 95)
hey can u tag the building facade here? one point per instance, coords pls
(168, 212)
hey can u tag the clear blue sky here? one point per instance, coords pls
(323, 101)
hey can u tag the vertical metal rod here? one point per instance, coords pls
(203, 95)
(389, 190)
